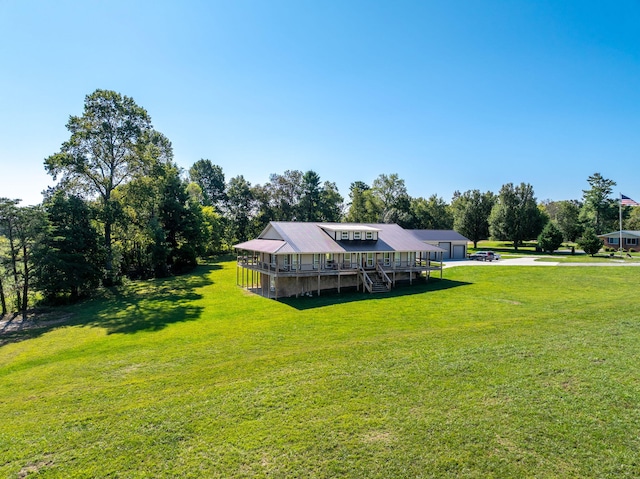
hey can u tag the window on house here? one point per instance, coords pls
(357, 235)
(369, 235)
(347, 260)
(632, 241)
(614, 240)
(387, 259)
(345, 235)
(316, 261)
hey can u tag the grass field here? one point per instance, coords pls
(491, 372)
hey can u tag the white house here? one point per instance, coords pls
(294, 258)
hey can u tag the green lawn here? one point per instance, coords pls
(492, 372)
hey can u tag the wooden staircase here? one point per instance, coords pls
(379, 286)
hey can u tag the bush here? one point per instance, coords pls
(589, 242)
(550, 238)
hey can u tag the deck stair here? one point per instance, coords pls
(379, 286)
(381, 282)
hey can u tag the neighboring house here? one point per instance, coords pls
(452, 242)
(296, 258)
(629, 240)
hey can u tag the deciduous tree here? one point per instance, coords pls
(210, 178)
(516, 216)
(110, 144)
(471, 211)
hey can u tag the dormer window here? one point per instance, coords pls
(344, 235)
(357, 235)
(369, 235)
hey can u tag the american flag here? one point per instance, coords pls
(626, 201)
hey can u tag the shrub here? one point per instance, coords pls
(589, 242)
(550, 238)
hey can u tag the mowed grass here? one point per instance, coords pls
(491, 372)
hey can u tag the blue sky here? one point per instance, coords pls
(450, 95)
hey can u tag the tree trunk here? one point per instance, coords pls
(3, 300)
(25, 285)
(109, 260)
(14, 266)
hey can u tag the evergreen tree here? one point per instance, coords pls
(550, 238)
(590, 242)
(68, 259)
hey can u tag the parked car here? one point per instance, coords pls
(484, 256)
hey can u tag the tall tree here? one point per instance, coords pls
(211, 179)
(633, 220)
(433, 213)
(240, 206)
(182, 223)
(22, 226)
(471, 211)
(310, 197)
(516, 216)
(364, 207)
(392, 194)
(284, 193)
(9, 219)
(566, 215)
(599, 210)
(111, 143)
(331, 202)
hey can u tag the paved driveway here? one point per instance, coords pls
(532, 261)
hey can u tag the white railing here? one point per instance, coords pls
(366, 281)
(383, 275)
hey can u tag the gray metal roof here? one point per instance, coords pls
(438, 235)
(625, 233)
(299, 237)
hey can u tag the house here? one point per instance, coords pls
(629, 240)
(452, 242)
(298, 258)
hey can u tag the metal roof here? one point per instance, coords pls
(262, 245)
(438, 235)
(625, 233)
(300, 237)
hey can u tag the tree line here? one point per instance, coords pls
(122, 208)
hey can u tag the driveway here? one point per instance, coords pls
(531, 261)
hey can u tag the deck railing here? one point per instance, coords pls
(366, 281)
(255, 262)
(383, 275)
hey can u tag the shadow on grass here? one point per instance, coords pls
(332, 298)
(149, 305)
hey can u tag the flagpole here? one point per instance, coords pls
(620, 245)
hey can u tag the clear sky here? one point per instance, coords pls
(450, 95)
